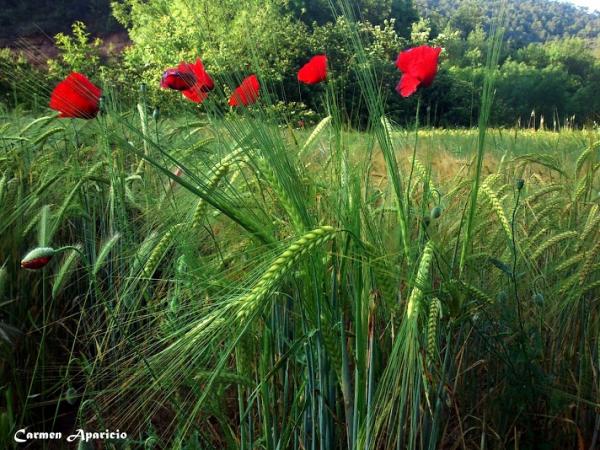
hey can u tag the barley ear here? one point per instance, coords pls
(414, 301)
(435, 308)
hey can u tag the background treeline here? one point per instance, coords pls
(528, 20)
(549, 69)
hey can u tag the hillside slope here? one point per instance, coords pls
(528, 20)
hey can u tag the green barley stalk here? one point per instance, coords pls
(591, 258)
(104, 253)
(570, 262)
(314, 136)
(414, 301)
(498, 210)
(41, 120)
(591, 224)
(218, 174)
(65, 270)
(493, 56)
(545, 191)
(160, 249)
(283, 196)
(583, 157)
(274, 274)
(553, 241)
(41, 139)
(3, 190)
(435, 308)
(397, 405)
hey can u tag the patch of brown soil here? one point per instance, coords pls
(38, 49)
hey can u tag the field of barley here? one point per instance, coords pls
(237, 284)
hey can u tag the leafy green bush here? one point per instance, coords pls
(78, 52)
(20, 82)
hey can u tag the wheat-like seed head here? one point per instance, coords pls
(497, 208)
(281, 265)
(413, 306)
(553, 241)
(435, 308)
(589, 263)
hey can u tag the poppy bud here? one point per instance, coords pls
(520, 183)
(156, 113)
(71, 396)
(436, 212)
(538, 299)
(150, 442)
(143, 88)
(37, 258)
(101, 105)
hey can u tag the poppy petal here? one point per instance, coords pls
(187, 76)
(246, 93)
(195, 95)
(203, 79)
(176, 80)
(35, 264)
(76, 97)
(314, 71)
(407, 85)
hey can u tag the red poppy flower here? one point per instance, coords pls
(314, 71)
(191, 79)
(246, 93)
(418, 66)
(76, 97)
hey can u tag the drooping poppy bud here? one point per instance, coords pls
(520, 183)
(37, 258)
(156, 113)
(419, 67)
(314, 71)
(436, 212)
(71, 396)
(246, 93)
(76, 97)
